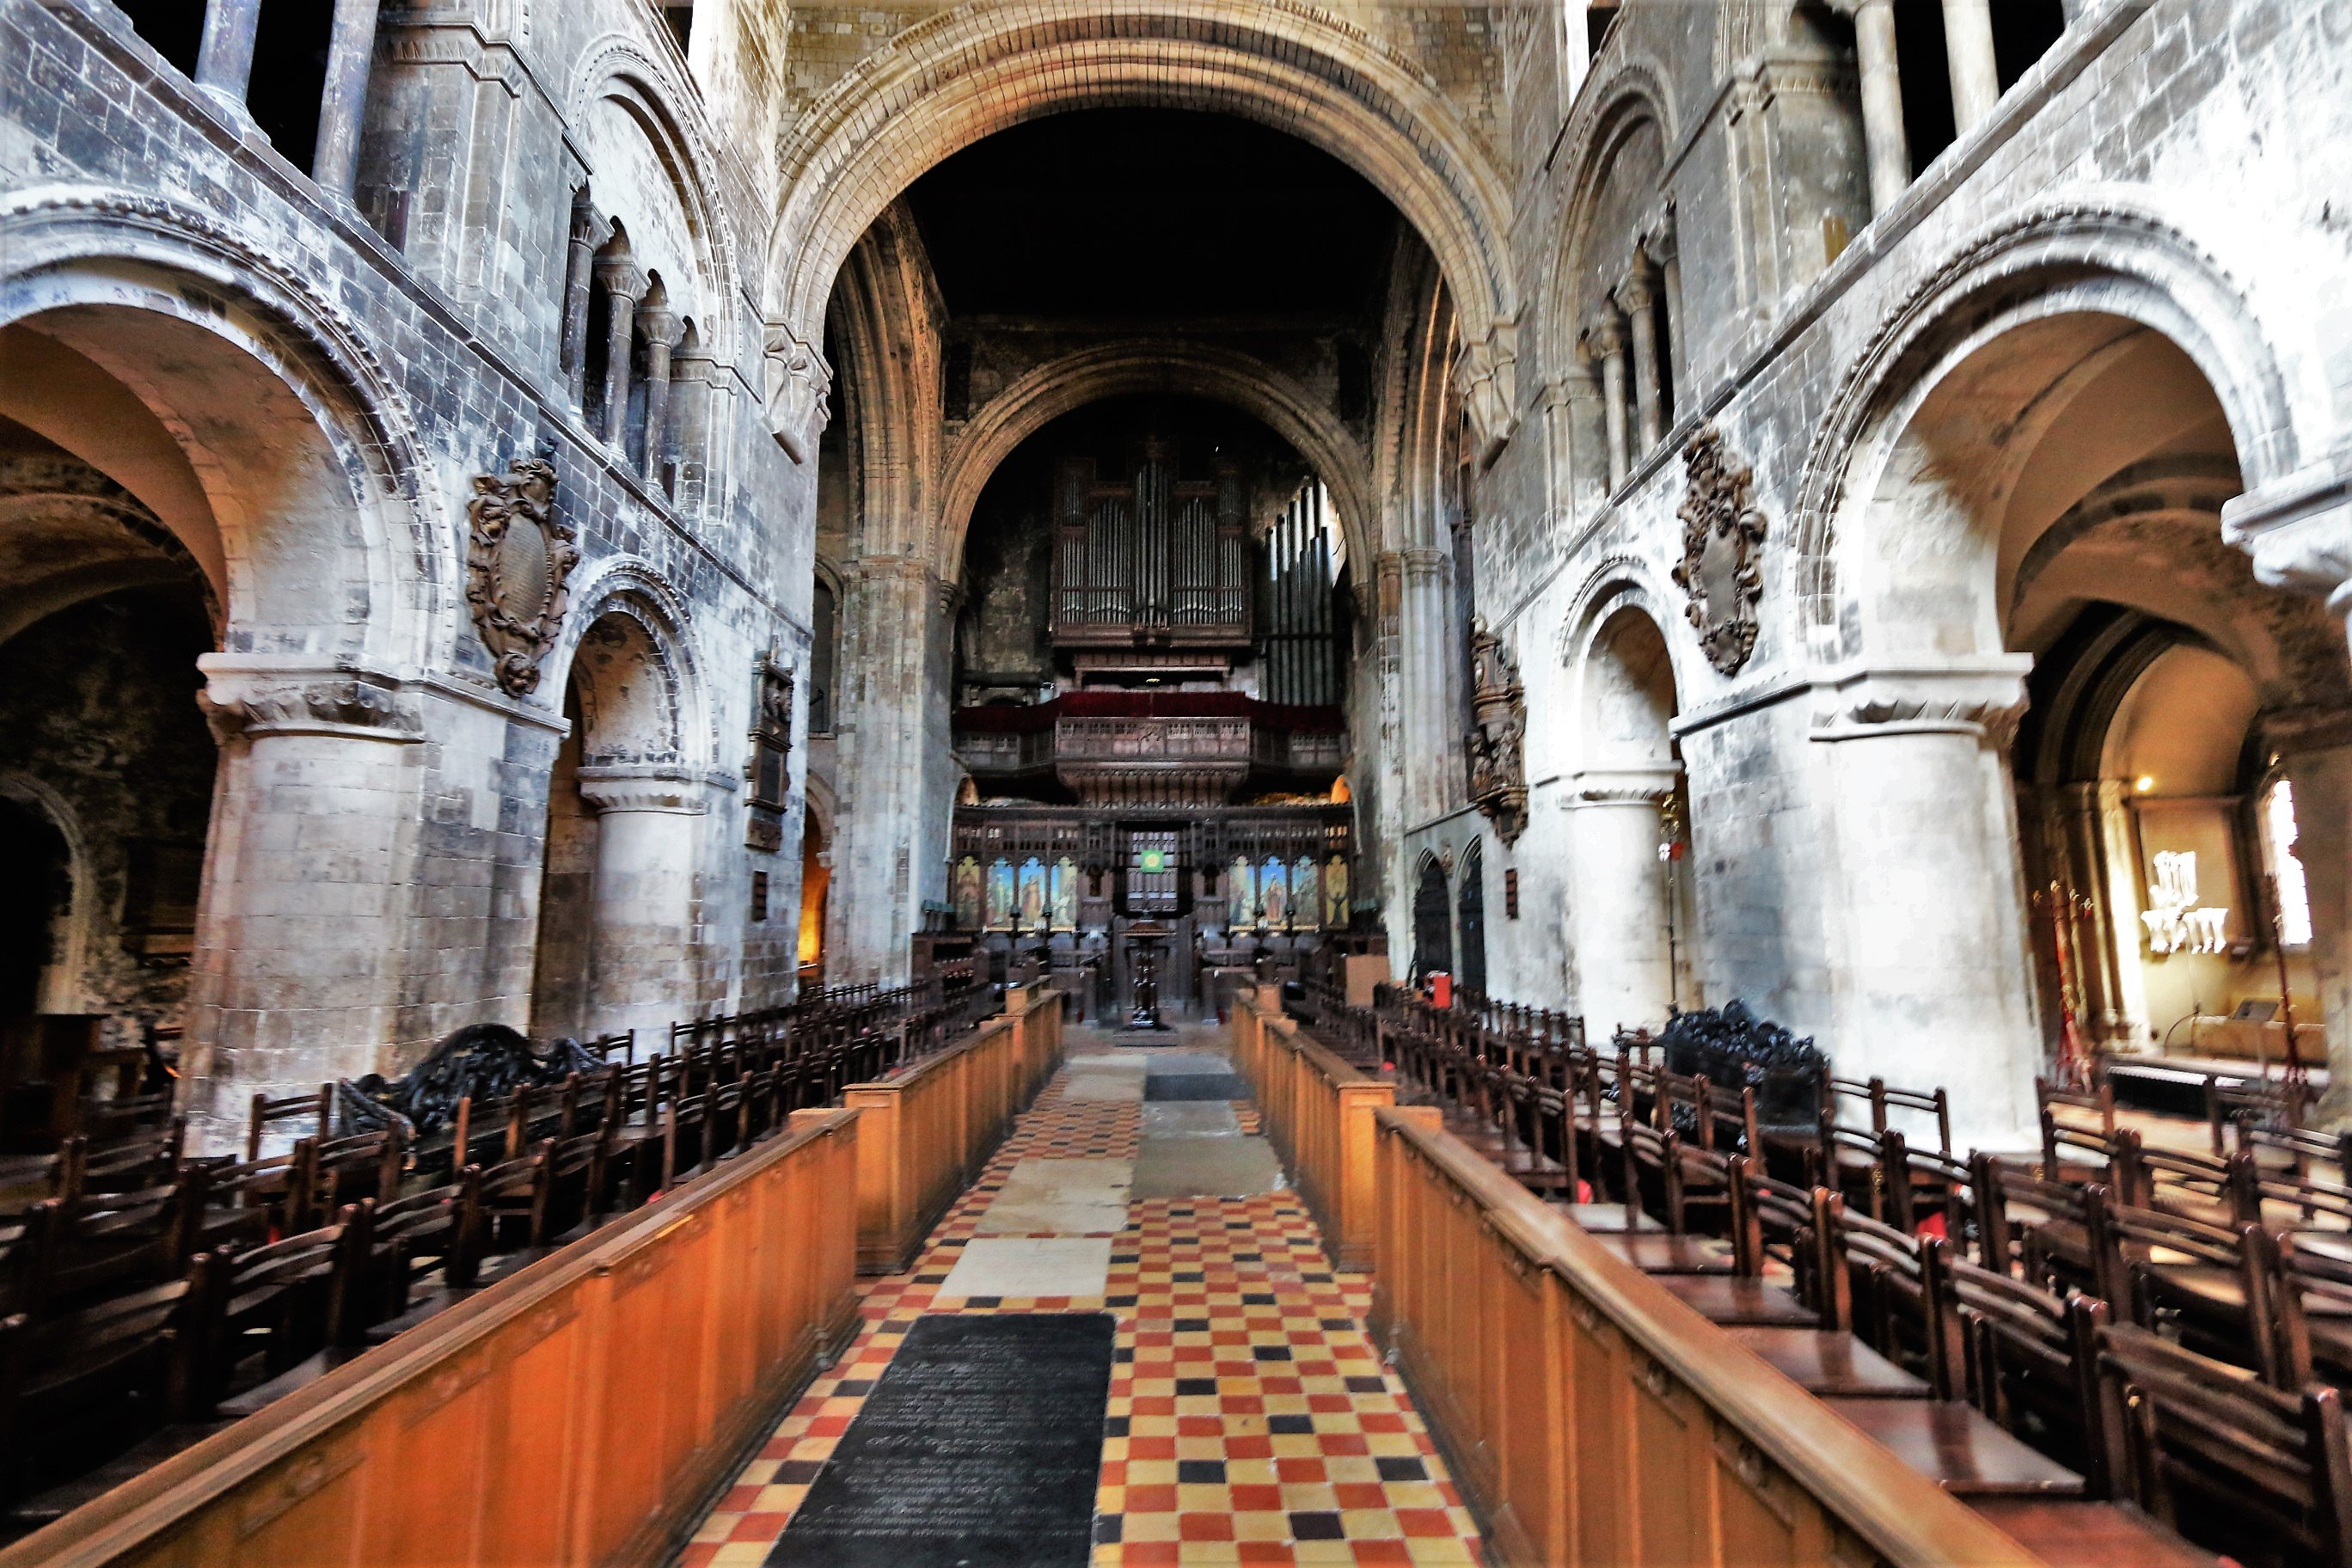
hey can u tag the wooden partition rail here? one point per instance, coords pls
(1594, 1420)
(1318, 1111)
(577, 1415)
(924, 1134)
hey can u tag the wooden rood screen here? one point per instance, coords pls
(1598, 1422)
(578, 1414)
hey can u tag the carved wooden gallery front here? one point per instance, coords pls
(1151, 664)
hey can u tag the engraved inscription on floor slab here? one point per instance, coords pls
(980, 1447)
(1030, 1268)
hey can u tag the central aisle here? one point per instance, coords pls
(1249, 1418)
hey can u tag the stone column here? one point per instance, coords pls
(2299, 531)
(1976, 75)
(1636, 299)
(1606, 338)
(1886, 145)
(1619, 902)
(891, 748)
(302, 938)
(224, 59)
(351, 52)
(690, 417)
(1427, 719)
(642, 927)
(588, 231)
(624, 284)
(662, 329)
(1931, 976)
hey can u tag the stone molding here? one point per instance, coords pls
(1645, 786)
(2298, 528)
(2295, 732)
(1983, 698)
(799, 383)
(643, 786)
(251, 704)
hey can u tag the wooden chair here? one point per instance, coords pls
(1774, 1231)
(1655, 1163)
(272, 1303)
(2217, 1284)
(2236, 1106)
(79, 1389)
(2049, 1242)
(2261, 1473)
(314, 1111)
(2021, 1355)
(2078, 1130)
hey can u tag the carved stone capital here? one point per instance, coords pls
(662, 326)
(623, 276)
(643, 786)
(1487, 378)
(1604, 334)
(252, 704)
(1649, 787)
(1983, 697)
(2299, 530)
(799, 383)
(2293, 732)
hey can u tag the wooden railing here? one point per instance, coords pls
(580, 1413)
(924, 1135)
(1318, 1111)
(1595, 1420)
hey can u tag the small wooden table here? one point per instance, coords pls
(2066, 1533)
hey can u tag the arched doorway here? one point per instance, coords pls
(106, 765)
(816, 886)
(2052, 502)
(617, 946)
(1432, 922)
(1472, 925)
(1631, 903)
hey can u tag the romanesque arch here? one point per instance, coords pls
(957, 78)
(1168, 366)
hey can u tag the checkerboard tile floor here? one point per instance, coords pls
(1250, 1419)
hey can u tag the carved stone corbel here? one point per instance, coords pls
(1498, 777)
(1722, 533)
(2299, 531)
(249, 706)
(1487, 378)
(798, 386)
(519, 556)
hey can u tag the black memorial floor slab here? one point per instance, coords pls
(980, 1447)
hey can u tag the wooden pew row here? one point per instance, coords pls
(577, 1412)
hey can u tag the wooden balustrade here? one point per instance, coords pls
(926, 1134)
(578, 1412)
(1596, 1420)
(1318, 1111)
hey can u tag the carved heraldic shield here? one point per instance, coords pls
(1722, 532)
(518, 557)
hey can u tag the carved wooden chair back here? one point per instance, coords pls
(2259, 1472)
(2024, 1357)
(312, 1113)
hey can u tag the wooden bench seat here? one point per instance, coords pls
(2066, 1533)
(1826, 1362)
(1731, 1298)
(1959, 1447)
(1657, 1252)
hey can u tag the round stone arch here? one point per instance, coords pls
(1618, 587)
(615, 68)
(1634, 95)
(655, 619)
(71, 958)
(982, 67)
(1091, 375)
(2092, 256)
(244, 410)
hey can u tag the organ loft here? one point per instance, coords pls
(1156, 740)
(1074, 782)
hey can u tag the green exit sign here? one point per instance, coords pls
(1152, 860)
